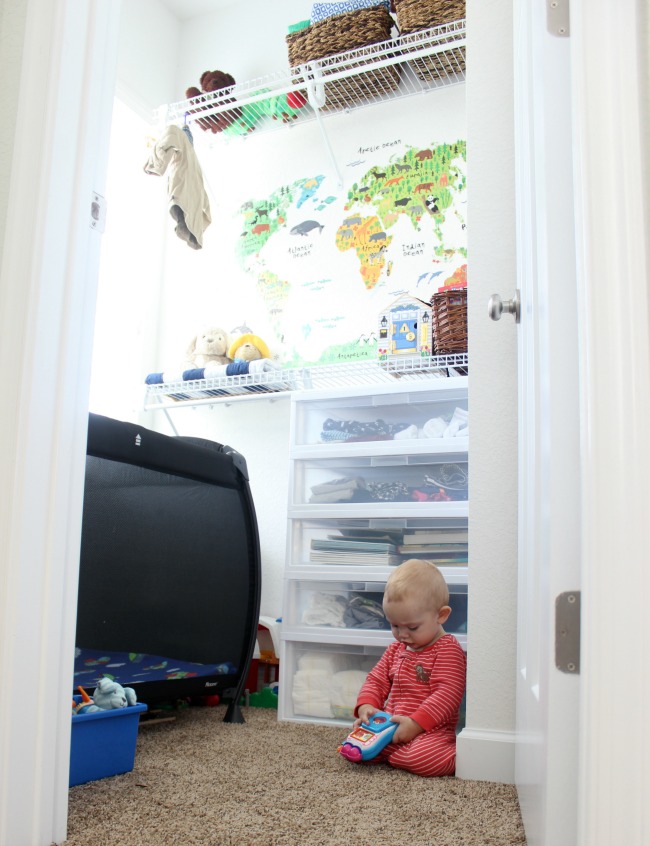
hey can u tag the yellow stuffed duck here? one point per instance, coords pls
(249, 354)
(248, 347)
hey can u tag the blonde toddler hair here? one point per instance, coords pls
(417, 579)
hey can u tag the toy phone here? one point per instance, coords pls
(368, 739)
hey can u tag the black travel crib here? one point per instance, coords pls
(170, 572)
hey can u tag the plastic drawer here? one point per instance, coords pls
(308, 542)
(354, 605)
(319, 682)
(379, 480)
(375, 415)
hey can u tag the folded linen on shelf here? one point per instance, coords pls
(213, 371)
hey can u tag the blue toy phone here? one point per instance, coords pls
(364, 742)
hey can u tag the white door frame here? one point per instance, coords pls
(610, 77)
(48, 281)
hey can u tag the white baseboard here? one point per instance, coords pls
(485, 755)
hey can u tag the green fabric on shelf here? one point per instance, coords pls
(298, 26)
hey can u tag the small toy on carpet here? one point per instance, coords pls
(368, 739)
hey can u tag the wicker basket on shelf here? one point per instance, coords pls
(416, 15)
(449, 321)
(340, 34)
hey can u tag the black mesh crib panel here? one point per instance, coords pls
(169, 579)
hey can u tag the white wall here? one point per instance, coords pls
(12, 27)
(246, 40)
(148, 56)
(208, 286)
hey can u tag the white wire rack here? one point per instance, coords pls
(426, 60)
(273, 385)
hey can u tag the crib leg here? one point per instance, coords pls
(233, 713)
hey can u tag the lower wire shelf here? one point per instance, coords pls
(273, 385)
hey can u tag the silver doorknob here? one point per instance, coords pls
(497, 306)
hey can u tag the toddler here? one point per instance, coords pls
(420, 678)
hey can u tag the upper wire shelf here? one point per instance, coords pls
(390, 70)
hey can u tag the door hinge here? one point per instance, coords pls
(567, 632)
(557, 18)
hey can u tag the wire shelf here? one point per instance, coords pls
(427, 60)
(272, 385)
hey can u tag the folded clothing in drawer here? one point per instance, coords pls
(435, 483)
(353, 611)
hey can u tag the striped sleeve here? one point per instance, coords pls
(447, 686)
(374, 691)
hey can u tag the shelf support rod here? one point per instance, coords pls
(317, 98)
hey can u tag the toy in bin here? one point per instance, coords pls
(368, 739)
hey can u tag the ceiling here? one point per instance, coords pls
(186, 9)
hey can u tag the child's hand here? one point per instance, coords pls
(365, 714)
(406, 730)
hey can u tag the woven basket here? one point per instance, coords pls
(339, 34)
(449, 321)
(415, 15)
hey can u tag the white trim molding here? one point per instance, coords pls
(48, 281)
(486, 755)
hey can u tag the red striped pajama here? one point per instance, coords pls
(428, 686)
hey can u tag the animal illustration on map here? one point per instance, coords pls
(306, 227)
(431, 204)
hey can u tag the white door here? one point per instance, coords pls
(549, 449)
(61, 65)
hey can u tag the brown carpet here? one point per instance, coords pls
(201, 781)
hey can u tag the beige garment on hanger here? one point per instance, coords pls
(188, 200)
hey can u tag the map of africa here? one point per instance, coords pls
(327, 260)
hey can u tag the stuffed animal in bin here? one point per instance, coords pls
(242, 119)
(208, 347)
(109, 695)
(248, 347)
(214, 81)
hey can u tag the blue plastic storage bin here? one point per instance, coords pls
(103, 743)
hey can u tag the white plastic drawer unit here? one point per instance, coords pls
(354, 606)
(319, 682)
(394, 414)
(380, 480)
(378, 475)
